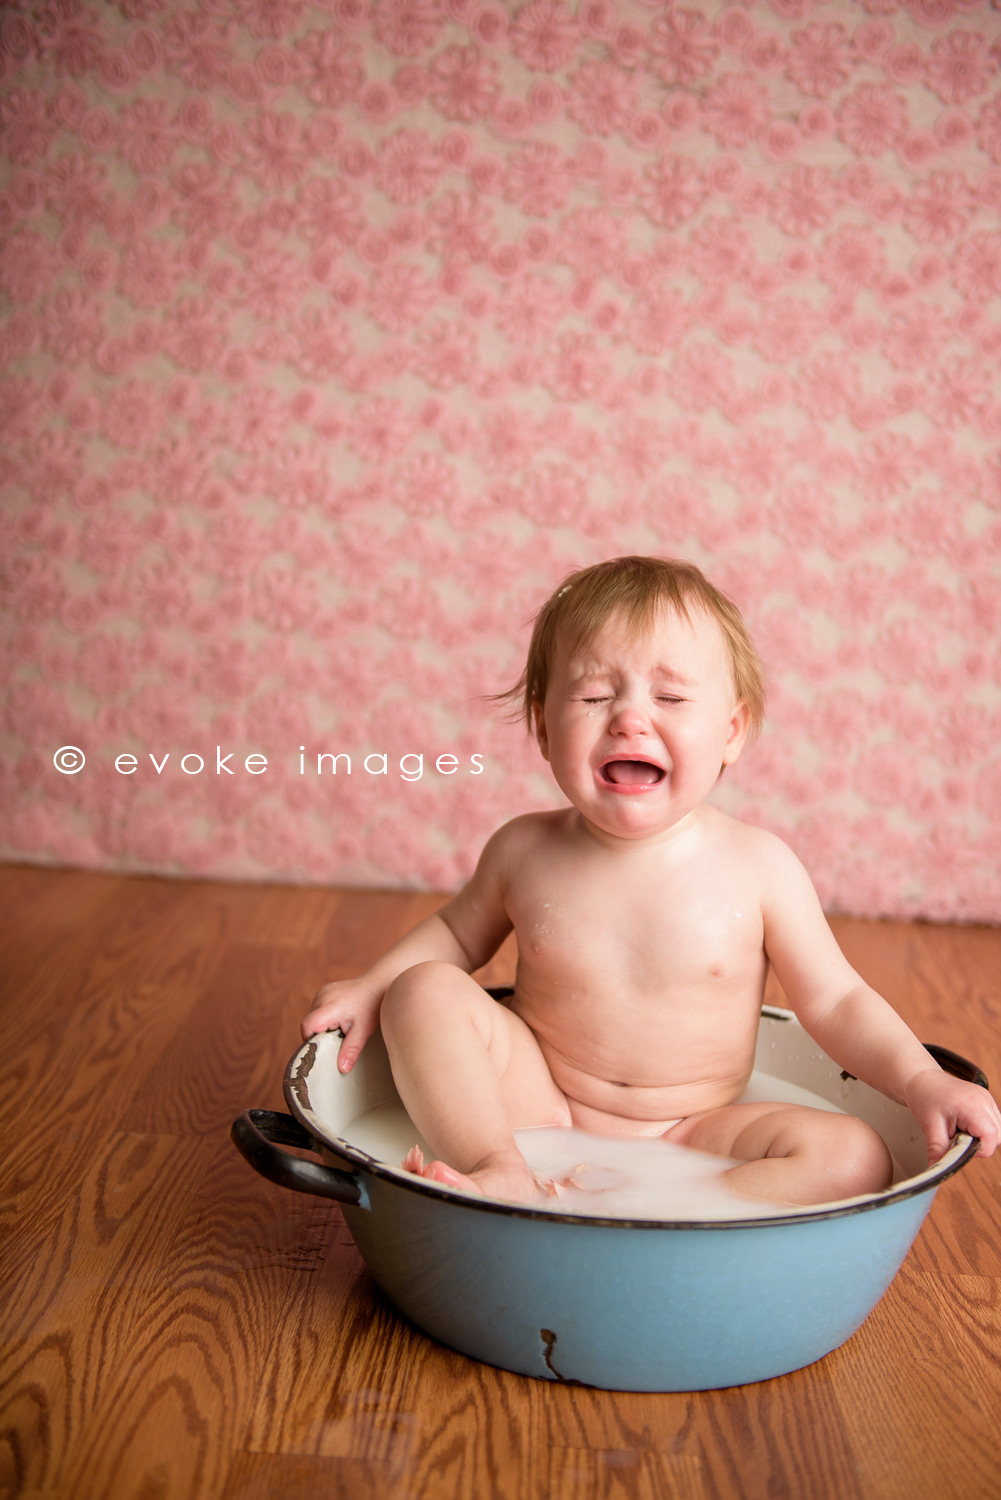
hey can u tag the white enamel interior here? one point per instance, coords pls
(787, 1060)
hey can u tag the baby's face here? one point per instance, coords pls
(637, 726)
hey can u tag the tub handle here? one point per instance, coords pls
(959, 1067)
(260, 1134)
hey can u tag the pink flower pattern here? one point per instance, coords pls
(544, 35)
(602, 98)
(464, 84)
(961, 66)
(821, 59)
(682, 45)
(872, 119)
(735, 110)
(332, 332)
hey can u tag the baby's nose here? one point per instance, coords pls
(629, 718)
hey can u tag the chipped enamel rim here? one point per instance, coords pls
(296, 1089)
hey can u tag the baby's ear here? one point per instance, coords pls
(737, 732)
(539, 719)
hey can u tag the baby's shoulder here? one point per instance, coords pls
(528, 832)
(509, 851)
(764, 850)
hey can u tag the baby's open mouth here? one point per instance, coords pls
(631, 773)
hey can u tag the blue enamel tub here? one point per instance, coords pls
(622, 1304)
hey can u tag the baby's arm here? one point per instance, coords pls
(854, 1025)
(465, 932)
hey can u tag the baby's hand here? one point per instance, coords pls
(945, 1105)
(348, 1005)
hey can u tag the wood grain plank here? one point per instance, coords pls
(40, 967)
(64, 1086)
(77, 1286)
(911, 1409)
(264, 1476)
(228, 1051)
(176, 1340)
(41, 894)
(944, 981)
(464, 1430)
(42, 908)
(625, 1474)
(286, 916)
(784, 1438)
(967, 1310)
(365, 923)
(172, 1326)
(745, 1439)
(952, 1241)
(378, 1391)
(619, 1421)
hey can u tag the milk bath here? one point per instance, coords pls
(612, 1178)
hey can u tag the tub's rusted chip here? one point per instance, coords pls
(297, 1081)
(548, 1338)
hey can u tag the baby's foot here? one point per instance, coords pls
(505, 1177)
(586, 1179)
(434, 1171)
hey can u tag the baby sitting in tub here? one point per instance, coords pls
(645, 922)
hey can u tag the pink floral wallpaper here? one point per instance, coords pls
(335, 331)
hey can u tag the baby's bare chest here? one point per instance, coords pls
(641, 933)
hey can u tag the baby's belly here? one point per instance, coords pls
(600, 1122)
(606, 1107)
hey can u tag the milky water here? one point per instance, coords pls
(612, 1178)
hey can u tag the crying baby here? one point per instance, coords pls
(645, 922)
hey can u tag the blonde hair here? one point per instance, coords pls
(637, 588)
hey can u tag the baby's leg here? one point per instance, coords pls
(789, 1153)
(469, 1073)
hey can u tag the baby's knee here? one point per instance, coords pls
(417, 991)
(430, 972)
(857, 1158)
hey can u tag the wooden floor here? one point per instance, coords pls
(173, 1327)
